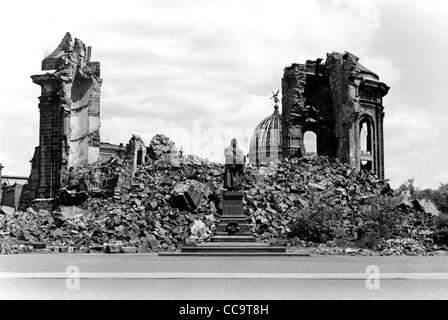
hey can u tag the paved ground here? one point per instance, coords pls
(148, 276)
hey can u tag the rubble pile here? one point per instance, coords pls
(98, 180)
(324, 249)
(320, 200)
(155, 212)
(275, 199)
(400, 246)
(161, 147)
(169, 203)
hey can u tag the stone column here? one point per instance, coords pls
(381, 174)
(50, 136)
(376, 145)
(293, 100)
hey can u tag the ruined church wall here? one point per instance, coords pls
(84, 125)
(325, 99)
(70, 113)
(320, 115)
(346, 108)
(293, 100)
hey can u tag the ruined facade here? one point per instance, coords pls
(136, 152)
(14, 192)
(341, 101)
(69, 106)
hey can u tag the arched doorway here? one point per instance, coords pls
(139, 156)
(310, 142)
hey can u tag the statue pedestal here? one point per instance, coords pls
(232, 203)
(233, 212)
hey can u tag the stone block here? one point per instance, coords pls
(233, 203)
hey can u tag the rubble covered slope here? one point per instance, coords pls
(298, 202)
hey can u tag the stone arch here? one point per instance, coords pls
(310, 136)
(140, 159)
(366, 130)
(310, 141)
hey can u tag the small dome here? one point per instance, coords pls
(266, 142)
(366, 73)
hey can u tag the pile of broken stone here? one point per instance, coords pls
(155, 212)
(168, 202)
(300, 187)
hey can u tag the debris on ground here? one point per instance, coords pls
(172, 199)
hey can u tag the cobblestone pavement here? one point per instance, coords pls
(148, 276)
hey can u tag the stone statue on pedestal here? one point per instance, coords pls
(234, 166)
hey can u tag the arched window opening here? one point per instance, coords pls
(139, 157)
(310, 142)
(365, 137)
(366, 165)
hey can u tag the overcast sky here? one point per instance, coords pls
(204, 70)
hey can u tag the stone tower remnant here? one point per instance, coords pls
(341, 101)
(69, 105)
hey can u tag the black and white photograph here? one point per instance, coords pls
(224, 151)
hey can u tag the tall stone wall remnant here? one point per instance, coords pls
(341, 101)
(135, 152)
(69, 107)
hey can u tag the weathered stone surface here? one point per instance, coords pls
(187, 194)
(426, 206)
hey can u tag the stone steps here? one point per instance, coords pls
(233, 244)
(244, 228)
(233, 238)
(227, 247)
(236, 254)
(240, 217)
(242, 232)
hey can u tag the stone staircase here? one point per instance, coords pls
(241, 242)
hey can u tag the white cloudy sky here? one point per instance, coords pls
(203, 70)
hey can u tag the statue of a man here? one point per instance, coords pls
(234, 166)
